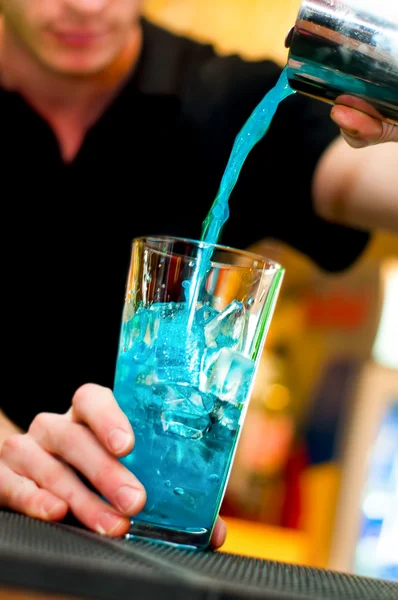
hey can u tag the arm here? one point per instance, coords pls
(359, 187)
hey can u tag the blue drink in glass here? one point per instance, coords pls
(184, 374)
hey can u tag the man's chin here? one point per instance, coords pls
(80, 67)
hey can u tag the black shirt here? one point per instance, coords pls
(152, 164)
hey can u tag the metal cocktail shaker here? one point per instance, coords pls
(346, 47)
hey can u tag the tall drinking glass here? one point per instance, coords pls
(184, 374)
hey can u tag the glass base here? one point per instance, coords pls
(187, 538)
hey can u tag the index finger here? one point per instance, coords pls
(358, 104)
(361, 123)
(96, 407)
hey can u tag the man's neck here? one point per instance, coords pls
(70, 105)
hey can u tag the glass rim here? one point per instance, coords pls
(224, 248)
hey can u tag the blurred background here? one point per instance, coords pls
(315, 480)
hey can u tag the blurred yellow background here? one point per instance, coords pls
(257, 29)
(253, 28)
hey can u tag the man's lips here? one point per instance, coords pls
(79, 39)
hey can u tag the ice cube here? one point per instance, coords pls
(225, 418)
(226, 329)
(166, 310)
(178, 350)
(208, 358)
(129, 371)
(133, 331)
(229, 376)
(146, 374)
(226, 429)
(184, 411)
(204, 314)
(187, 429)
(225, 412)
(139, 334)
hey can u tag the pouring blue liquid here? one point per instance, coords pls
(252, 132)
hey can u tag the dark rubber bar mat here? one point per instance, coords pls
(69, 560)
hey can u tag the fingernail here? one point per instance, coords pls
(51, 508)
(127, 498)
(108, 523)
(352, 132)
(119, 440)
